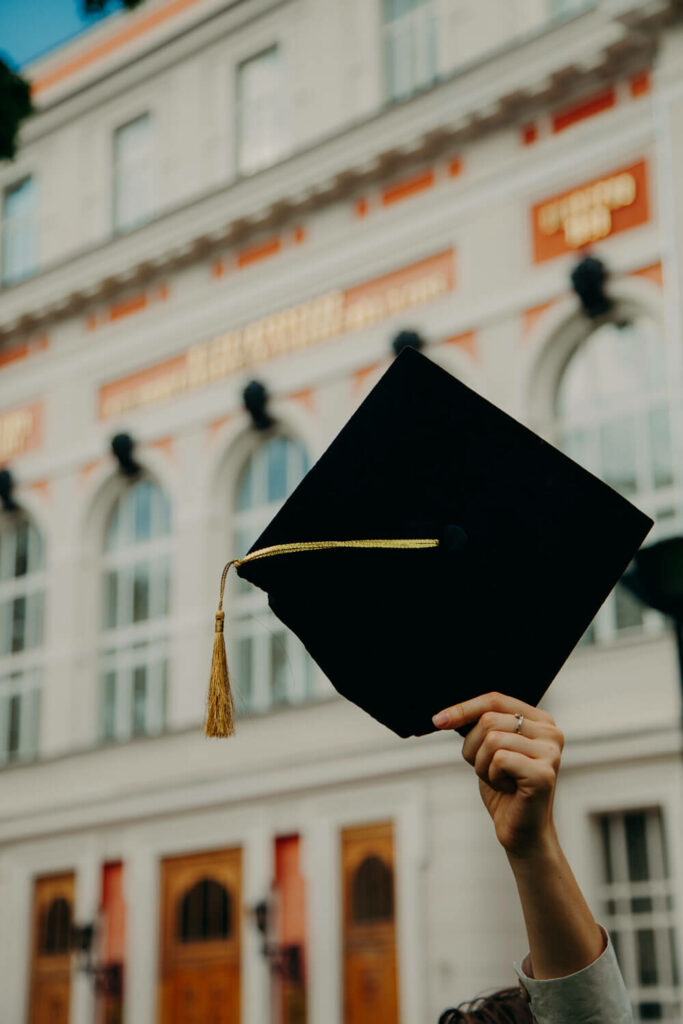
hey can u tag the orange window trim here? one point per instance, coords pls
(127, 306)
(640, 84)
(12, 355)
(164, 444)
(652, 273)
(216, 425)
(138, 27)
(262, 251)
(360, 376)
(23, 349)
(42, 486)
(88, 468)
(532, 315)
(467, 341)
(408, 187)
(595, 104)
(304, 398)
(529, 134)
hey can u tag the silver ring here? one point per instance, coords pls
(520, 720)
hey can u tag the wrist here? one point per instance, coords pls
(543, 850)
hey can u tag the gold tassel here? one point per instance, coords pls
(220, 718)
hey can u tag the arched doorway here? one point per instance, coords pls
(370, 974)
(50, 973)
(200, 939)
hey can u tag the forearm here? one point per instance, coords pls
(563, 934)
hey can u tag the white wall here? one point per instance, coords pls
(319, 767)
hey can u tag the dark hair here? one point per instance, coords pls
(507, 1006)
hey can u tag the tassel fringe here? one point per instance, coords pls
(220, 718)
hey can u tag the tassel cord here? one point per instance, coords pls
(220, 718)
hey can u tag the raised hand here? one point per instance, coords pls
(517, 766)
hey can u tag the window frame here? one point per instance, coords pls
(8, 279)
(571, 338)
(558, 10)
(622, 890)
(427, 11)
(22, 670)
(125, 644)
(244, 168)
(252, 622)
(119, 227)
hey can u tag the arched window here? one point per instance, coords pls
(614, 417)
(205, 912)
(135, 609)
(22, 585)
(272, 667)
(55, 926)
(372, 892)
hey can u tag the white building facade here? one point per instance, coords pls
(213, 192)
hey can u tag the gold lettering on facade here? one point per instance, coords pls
(15, 432)
(586, 215)
(279, 334)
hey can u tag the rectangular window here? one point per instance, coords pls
(134, 690)
(245, 667)
(563, 8)
(410, 48)
(638, 910)
(262, 132)
(108, 706)
(19, 711)
(19, 231)
(134, 194)
(278, 668)
(139, 708)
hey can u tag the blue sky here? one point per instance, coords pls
(29, 28)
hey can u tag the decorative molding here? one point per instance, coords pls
(493, 93)
(389, 760)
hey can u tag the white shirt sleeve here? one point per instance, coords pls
(594, 995)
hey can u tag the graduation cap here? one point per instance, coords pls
(437, 550)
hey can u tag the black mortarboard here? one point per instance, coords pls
(519, 546)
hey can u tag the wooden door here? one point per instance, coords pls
(370, 976)
(53, 900)
(200, 939)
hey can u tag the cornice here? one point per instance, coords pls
(388, 760)
(503, 90)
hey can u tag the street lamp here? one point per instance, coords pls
(656, 578)
(284, 960)
(107, 977)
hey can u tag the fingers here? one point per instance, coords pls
(493, 721)
(531, 774)
(534, 750)
(470, 710)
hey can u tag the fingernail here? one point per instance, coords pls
(443, 718)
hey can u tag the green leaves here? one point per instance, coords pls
(15, 91)
(15, 105)
(96, 6)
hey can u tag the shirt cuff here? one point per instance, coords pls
(594, 995)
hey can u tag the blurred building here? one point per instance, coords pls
(213, 192)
